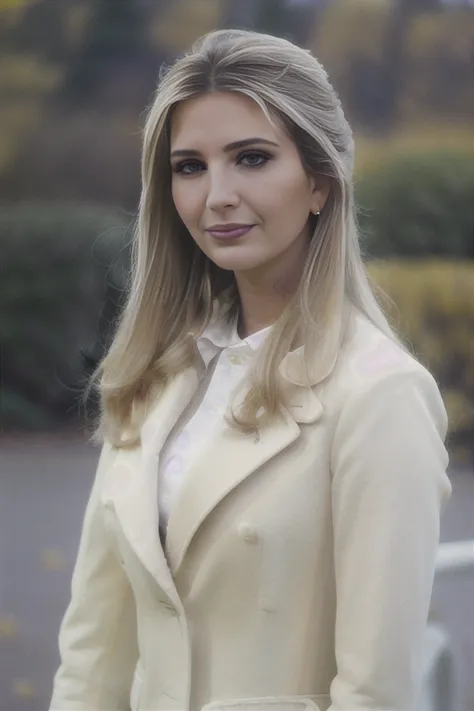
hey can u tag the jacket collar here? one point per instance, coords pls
(131, 483)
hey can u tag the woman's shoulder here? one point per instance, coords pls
(375, 373)
(371, 359)
(380, 394)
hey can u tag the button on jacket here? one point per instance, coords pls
(298, 565)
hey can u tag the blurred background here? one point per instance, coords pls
(76, 77)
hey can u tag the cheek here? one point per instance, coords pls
(298, 189)
(185, 202)
(286, 196)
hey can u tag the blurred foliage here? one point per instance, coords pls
(94, 155)
(65, 65)
(24, 83)
(440, 58)
(418, 204)
(351, 23)
(114, 34)
(29, 74)
(415, 138)
(12, 6)
(273, 17)
(431, 304)
(398, 61)
(75, 77)
(181, 22)
(63, 268)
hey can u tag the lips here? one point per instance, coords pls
(227, 232)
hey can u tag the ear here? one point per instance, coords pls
(320, 187)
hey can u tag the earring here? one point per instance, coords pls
(317, 213)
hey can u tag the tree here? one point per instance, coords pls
(29, 71)
(349, 41)
(273, 17)
(440, 52)
(239, 13)
(115, 34)
(177, 24)
(368, 49)
(394, 61)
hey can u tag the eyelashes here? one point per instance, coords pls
(247, 159)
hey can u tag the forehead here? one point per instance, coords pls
(218, 119)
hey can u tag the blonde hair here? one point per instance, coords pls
(174, 288)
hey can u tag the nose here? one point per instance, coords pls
(222, 191)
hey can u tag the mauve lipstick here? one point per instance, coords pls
(229, 231)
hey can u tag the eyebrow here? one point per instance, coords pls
(227, 149)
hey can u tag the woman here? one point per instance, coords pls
(263, 526)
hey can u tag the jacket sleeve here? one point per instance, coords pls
(388, 488)
(97, 637)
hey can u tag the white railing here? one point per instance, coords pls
(455, 557)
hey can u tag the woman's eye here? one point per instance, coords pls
(250, 159)
(254, 160)
(188, 167)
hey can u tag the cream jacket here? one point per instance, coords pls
(299, 564)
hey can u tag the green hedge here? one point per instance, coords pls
(418, 205)
(62, 272)
(433, 309)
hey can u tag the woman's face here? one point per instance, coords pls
(239, 186)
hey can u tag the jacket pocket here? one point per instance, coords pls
(137, 685)
(272, 703)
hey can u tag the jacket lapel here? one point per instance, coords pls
(230, 457)
(131, 483)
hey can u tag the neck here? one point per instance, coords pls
(256, 313)
(266, 290)
(263, 298)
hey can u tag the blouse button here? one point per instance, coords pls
(248, 533)
(235, 360)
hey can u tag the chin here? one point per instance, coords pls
(235, 262)
(238, 265)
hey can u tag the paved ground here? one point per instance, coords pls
(43, 489)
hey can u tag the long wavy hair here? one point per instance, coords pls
(175, 290)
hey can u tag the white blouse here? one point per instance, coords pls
(227, 358)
